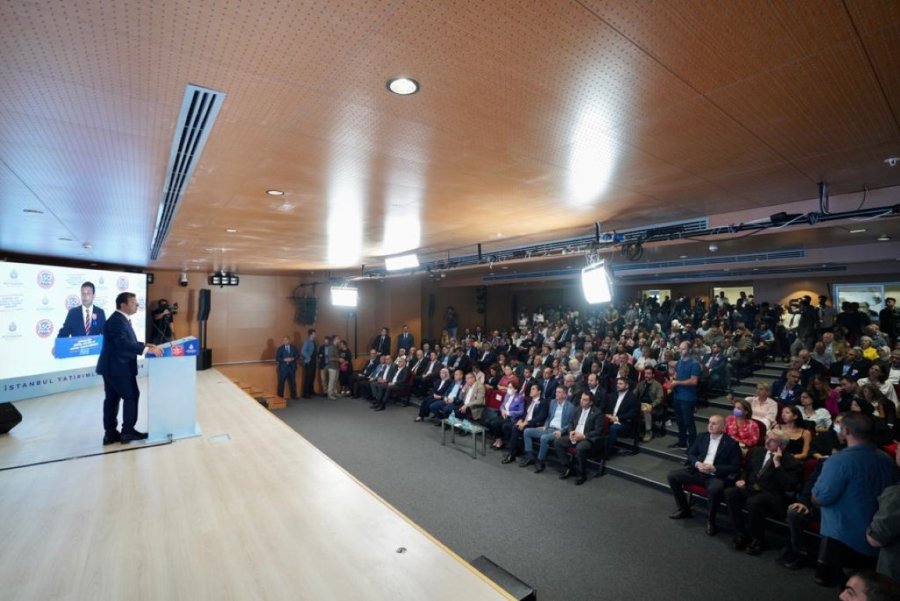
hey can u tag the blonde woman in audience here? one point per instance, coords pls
(813, 411)
(764, 407)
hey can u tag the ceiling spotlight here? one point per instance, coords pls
(274, 192)
(892, 161)
(858, 230)
(883, 238)
(403, 86)
(713, 247)
(231, 230)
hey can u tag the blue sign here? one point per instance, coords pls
(183, 347)
(77, 346)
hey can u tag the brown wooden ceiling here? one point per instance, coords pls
(533, 118)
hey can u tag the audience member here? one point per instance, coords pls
(684, 387)
(884, 531)
(741, 427)
(586, 436)
(535, 416)
(559, 418)
(713, 460)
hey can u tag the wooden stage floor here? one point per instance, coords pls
(249, 510)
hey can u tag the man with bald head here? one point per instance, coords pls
(713, 460)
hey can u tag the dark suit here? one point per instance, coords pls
(854, 370)
(394, 379)
(595, 429)
(360, 380)
(628, 412)
(405, 341)
(441, 388)
(286, 357)
(766, 493)
(75, 320)
(487, 359)
(513, 436)
(727, 462)
(382, 344)
(118, 366)
(548, 388)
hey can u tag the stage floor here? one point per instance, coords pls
(250, 510)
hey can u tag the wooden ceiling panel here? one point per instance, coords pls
(791, 110)
(713, 44)
(540, 117)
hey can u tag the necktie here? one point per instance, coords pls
(766, 464)
(87, 322)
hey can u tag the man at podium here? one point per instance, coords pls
(118, 366)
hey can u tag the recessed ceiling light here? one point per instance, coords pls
(274, 192)
(403, 86)
(858, 230)
(231, 230)
(683, 257)
(883, 238)
(33, 211)
(64, 239)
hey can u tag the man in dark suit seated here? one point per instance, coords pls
(549, 384)
(713, 460)
(587, 436)
(622, 409)
(397, 376)
(440, 390)
(850, 365)
(360, 379)
(85, 319)
(714, 365)
(767, 481)
(118, 366)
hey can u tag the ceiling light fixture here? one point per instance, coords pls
(401, 262)
(65, 239)
(231, 230)
(33, 211)
(883, 238)
(402, 86)
(274, 192)
(858, 230)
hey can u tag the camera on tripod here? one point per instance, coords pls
(173, 308)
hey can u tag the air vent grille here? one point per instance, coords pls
(199, 110)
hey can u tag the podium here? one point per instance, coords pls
(172, 390)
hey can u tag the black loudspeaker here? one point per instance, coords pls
(204, 303)
(307, 307)
(9, 417)
(431, 302)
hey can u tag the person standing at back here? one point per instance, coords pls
(286, 358)
(684, 394)
(118, 366)
(308, 353)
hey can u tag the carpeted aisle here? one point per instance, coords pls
(607, 539)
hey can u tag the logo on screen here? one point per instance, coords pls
(13, 275)
(45, 279)
(178, 351)
(45, 301)
(100, 281)
(72, 301)
(44, 328)
(12, 326)
(122, 283)
(140, 302)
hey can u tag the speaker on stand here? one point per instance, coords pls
(204, 304)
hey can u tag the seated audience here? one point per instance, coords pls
(649, 393)
(396, 377)
(472, 399)
(512, 407)
(559, 418)
(443, 407)
(713, 460)
(535, 416)
(799, 438)
(768, 478)
(622, 410)
(741, 427)
(870, 586)
(787, 391)
(764, 407)
(812, 411)
(587, 436)
(829, 396)
(359, 382)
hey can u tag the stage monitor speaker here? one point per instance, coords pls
(204, 304)
(307, 307)
(9, 417)
(512, 585)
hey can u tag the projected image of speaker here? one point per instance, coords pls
(9, 417)
(204, 303)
